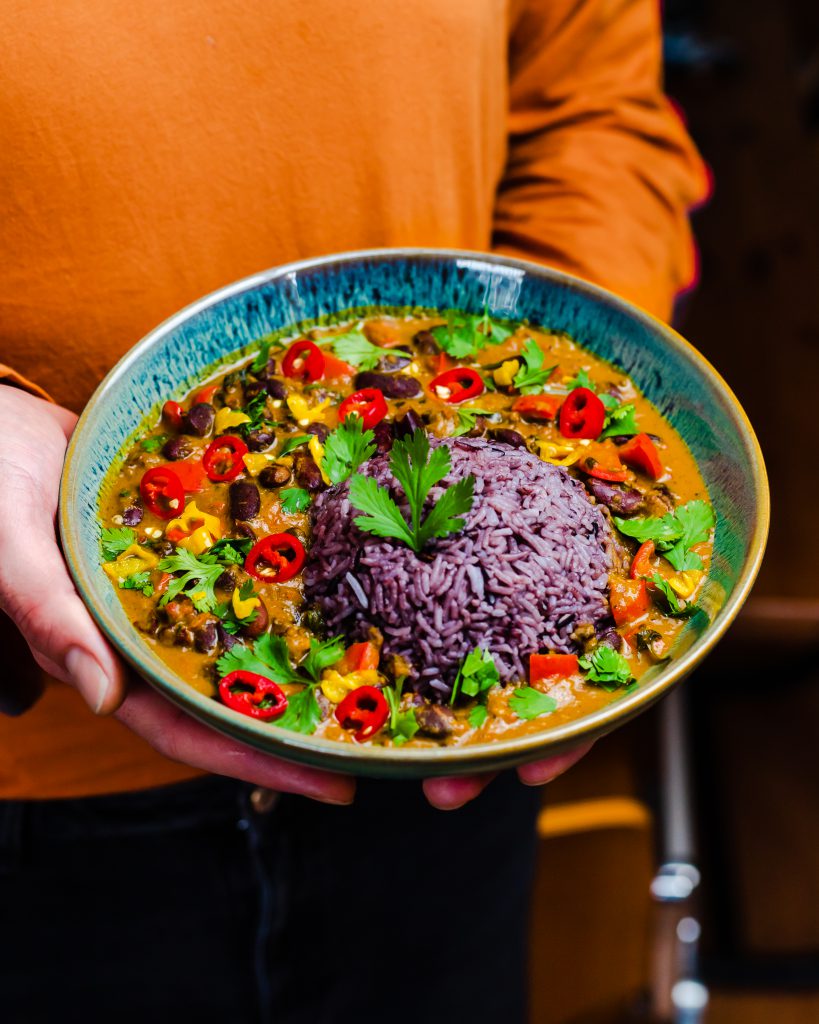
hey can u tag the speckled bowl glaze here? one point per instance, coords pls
(685, 388)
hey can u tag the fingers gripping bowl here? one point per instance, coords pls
(494, 509)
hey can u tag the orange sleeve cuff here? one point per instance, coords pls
(17, 380)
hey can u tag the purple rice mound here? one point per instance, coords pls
(530, 566)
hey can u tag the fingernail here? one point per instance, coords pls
(89, 677)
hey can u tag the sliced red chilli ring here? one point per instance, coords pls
(276, 558)
(253, 695)
(223, 458)
(162, 492)
(368, 403)
(457, 385)
(582, 414)
(304, 360)
(365, 710)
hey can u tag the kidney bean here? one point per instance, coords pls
(259, 624)
(184, 637)
(205, 637)
(426, 344)
(132, 515)
(307, 472)
(510, 437)
(392, 361)
(226, 582)
(393, 385)
(622, 500)
(245, 502)
(275, 388)
(321, 431)
(254, 388)
(227, 640)
(176, 448)
(274, 476)
(246, 530)
(258, 440)
(383, 437)
(408, 424)
(199, 419)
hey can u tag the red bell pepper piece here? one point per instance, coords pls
(162, 492)
(543, 666)
(457, 385)
(368, 403)
(205, 394)
(593, 467)
(192, 474)
(582, 414)
(253, 695)
(223, 458)
(305, 360)
(335, 368)
(365, 710)
(275, 558)
(537, 407)
(641, 453)
(358, 658)
(629, 600)
(172, 413)
(641, 563)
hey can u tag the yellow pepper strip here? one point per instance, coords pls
(335, 686)
(227, 418)
(242, 609)
(121, 569)
(316, 449)
(255, 462)
(304, 413)
(504, 376)
(685, 583)
(198, 542)
(191, 520)
(135, 551)
(559, 454)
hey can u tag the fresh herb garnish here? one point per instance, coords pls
(476, 674)
(531, 377)
(417, 470)
(153, 444)
(582, 380)
(115, 540)
(292, 443)
(478, 715)
(356, 349)
(403, 724)
(620, 422)
(675, 533)
(230, 550)
(262, 357)
(199, 576)
(467, 418)
(256, 409)
(347, 447)
(231, 622)
(675, 605)
(139, 581)
(529, 703)
(302, 713)
(606, 667)
(466, 335)
(294, 499)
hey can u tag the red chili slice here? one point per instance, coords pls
(205, 394)
(223, 458)
(594, 467)
(537, 407)
(641, 565)
(544, 666)
(459, 384)
(172, 413)
(253, 695)
(641, 453)
(582, 414)
(304, 360)
(162, 492)
(369, 404)
(365, 710)
(276, 558)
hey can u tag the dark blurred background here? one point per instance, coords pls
(613, 930)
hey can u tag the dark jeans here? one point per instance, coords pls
(183, 904)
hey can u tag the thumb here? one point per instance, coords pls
(37, 593)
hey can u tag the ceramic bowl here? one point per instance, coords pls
(674, 376)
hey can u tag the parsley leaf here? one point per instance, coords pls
(115, 540)
(302, 714)
(478, 715)
(356, 349)
(262, 356)
(464, 335)
(197, 581)
(531, 377)
(582, 380)
(294, 499)
(417, 470)
(675, 605)
(403, 724)
(621, 422)
(347, 448)
(292, 443)
(477, 673)
(230, 550)
(153, 444)
(663, 530)
(467, 418)
(606, 667)
(139, 581)
(674, 533)
(322, 654)
(256, 409)
(528, 703)
(269, 657)
(495, 331)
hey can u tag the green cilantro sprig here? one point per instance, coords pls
(153, 444)
(139, 581)
(674, 534)
(464, 336)
(403, 724)
(606, 667)
(292, 443)
(231, 622)
(528, 703)
(114, 540)
(675, 606)
(197, 580)
(531, 377)
(477, 673)
(230, 550)
(294, 499)
(467, 418)
(347, 447)
(417, 470)
(620, 421)
(354, 348)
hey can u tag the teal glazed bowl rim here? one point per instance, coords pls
(699, 404)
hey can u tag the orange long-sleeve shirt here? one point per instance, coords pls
(155, 151)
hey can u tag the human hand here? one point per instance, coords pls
(37, 593)
(450, 793)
